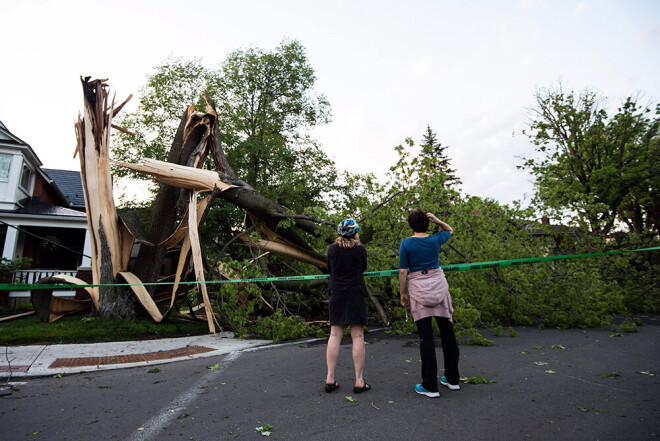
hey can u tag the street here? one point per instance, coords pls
(593, 385)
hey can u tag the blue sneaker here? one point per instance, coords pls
(420, 390)
(444, 382)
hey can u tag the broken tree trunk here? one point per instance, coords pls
(110, 242)
(198, 136)
(189, 149)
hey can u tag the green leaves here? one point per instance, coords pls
(477, 380)
(479, 340)
(628, 326)
(542, 294)
(586, 409)
(594, 167)
(350, 399)
(264, 430)
(175, 84)
(278, 327)
(265, 100)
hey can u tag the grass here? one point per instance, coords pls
(80, 329)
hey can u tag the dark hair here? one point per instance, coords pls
(418, 221)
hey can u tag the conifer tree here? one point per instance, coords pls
(434, 151)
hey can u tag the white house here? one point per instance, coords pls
(42, 215)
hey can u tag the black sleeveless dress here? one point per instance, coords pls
(348, 292)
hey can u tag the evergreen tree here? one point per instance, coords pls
(434, 151)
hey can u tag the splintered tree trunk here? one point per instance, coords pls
(187, 151)
(110, 243)
(167, 206)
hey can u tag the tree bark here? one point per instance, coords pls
(164, 214)
(109, 241)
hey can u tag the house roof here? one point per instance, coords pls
(66, 182)
(9, 139)
(6, 137)
(36, 206)
(70, 184)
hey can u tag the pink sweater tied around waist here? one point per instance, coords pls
(429, 294)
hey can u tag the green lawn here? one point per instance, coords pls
(81, 329)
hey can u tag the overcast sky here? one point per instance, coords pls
(388, 68)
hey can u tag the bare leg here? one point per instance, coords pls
(332, 351)
(357, 334)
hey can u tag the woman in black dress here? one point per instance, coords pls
(347, 260)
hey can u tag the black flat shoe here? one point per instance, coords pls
(359, 390)
(331, 387)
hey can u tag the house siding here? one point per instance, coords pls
(45, 191)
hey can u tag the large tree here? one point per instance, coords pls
(594, 167)
(265, 102)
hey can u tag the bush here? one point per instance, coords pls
(278, 327)
(9, 267)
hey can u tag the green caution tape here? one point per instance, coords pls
(511, 262)
(446, 268)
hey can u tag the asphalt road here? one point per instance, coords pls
(599, 387)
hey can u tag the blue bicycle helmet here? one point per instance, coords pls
(347, 228)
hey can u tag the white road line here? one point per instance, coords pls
(169, 413)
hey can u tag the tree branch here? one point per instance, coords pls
(381, 204)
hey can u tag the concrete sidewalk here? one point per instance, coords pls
(43, 360)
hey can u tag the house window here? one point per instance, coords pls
(25, 176)
(5, 165)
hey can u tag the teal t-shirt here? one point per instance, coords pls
(420, 253)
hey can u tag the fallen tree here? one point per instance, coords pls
(181, 179)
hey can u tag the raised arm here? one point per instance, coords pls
(437, 221)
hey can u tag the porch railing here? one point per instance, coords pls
(31, 276)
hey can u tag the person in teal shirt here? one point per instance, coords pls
(427, 296)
